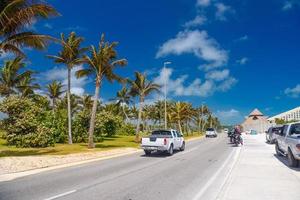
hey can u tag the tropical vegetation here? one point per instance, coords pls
(40, 116)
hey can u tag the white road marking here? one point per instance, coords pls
(61, 195)
(213, 178)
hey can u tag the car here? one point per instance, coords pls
(163, 141)
(226, 130)
(272, 134)
(288, 143)
(210, 132)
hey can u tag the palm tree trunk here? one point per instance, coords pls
(69, 106)
(179, 126)
(93, 116)
(126, 116)
(137, 134)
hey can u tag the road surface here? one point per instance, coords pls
(196, 173)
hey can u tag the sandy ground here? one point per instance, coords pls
(18, 164)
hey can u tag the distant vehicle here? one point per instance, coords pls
(226, 130)
(272, 134)
(288, 143)
(211, 132)
(163, 141)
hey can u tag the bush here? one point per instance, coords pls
(126, 129)
(107, 124)
(25, 125)
(80, 126)
(58, 122)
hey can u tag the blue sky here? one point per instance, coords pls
(233, 55)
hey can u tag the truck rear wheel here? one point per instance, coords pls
(171, 150)
(292, 161)
(182, 146)
(147, 152)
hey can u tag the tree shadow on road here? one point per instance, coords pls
(284, 160)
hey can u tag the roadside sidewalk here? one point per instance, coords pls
(260, 175)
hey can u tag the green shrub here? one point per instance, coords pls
(126, 129)
(58, 121)
(25, 125)
(107, 124)
(80, 126)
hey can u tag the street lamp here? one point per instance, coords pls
(165, 91)
(202, 124)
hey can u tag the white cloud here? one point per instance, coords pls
(293, 92)
(222, 11)
(243, 38)
(231, 116)
(198, 43)
(60, 74)
(242, 61)
(179, 86)
(289, 4)
(227, 84)
(47, 25)
(217, 75)
(203, 3)
(197, 21)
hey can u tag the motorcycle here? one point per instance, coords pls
(238, 139)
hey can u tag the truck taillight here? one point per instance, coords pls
(165, 141)
(298, 146)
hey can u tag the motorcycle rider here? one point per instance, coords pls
(238, 133)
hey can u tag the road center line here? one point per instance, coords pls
(213, 178)
(61, 195)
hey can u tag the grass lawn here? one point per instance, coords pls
(62, 149)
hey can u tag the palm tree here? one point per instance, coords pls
(141, 87)
(70, 55)
(15, 17)
(199, 114)
(11, 77)
(26, 86)
(101, 64)
(122, 99)
(86, 102)
(180, 112)
(55, 90)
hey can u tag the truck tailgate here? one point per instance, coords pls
(153, 141)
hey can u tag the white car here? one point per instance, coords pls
(226, 130)
(163, 141)
(287, 143)
(211, 132)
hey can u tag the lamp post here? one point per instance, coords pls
(202, 124)
(165, 91)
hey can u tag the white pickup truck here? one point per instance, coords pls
(163, 141)
(288, 143)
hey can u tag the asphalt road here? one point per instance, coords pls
(196, 173)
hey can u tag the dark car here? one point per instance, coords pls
(272, 133)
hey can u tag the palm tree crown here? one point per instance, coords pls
(11, 78)
(54, 91)
(15, 16)
(101, 64)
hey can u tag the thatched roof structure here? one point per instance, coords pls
(256, 121)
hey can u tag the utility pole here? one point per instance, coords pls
(165, 91)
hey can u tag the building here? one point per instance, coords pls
(256, 121)
(291, 115)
